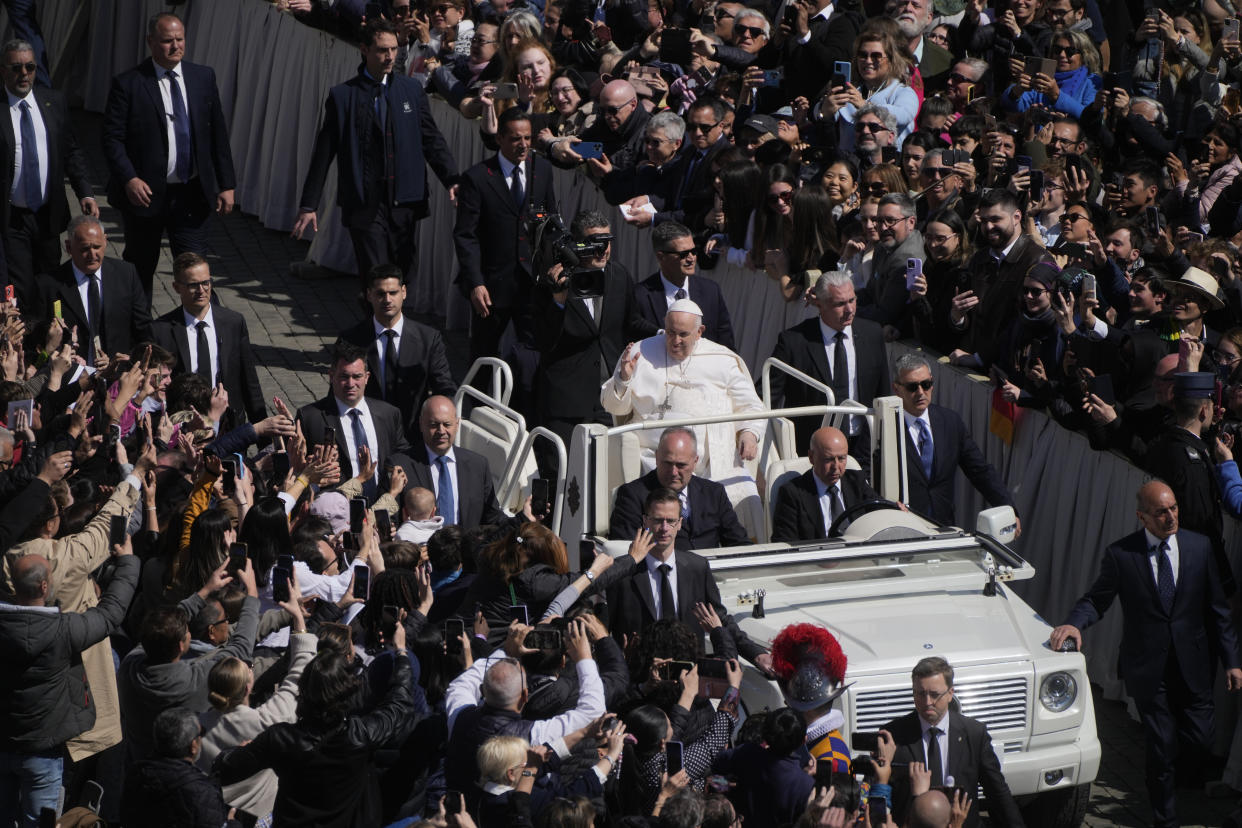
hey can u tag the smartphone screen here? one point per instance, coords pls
(877, 811)
(540, 496)
(362, 582)
(280, 584)
(673, 757)
(1153, 221)
(452, 802)
(230, 476)
(519, 614)
(864, 742)
(280, 467)
(329, 436)
(116, 530)
(357, 514)
(383, 522)
(237, 557)
(453, 629)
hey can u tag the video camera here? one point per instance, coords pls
(552, 244)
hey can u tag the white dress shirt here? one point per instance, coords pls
(943, 740)
(432, 457)
(671, 289)
(166, 94)
(347, 429)
(17, 193)
(851, 364)
(653, 574)
(84, 292)
(912, 426)
(380, 345)
(1153, 547)
(826, 506)
(213, 345)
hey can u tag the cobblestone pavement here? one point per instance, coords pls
(293, 316)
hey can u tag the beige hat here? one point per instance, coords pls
(687, 306)
(1199, 284)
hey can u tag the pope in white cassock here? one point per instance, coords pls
(679, 374)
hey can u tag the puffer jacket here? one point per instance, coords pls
(162, 792)
(47, 697)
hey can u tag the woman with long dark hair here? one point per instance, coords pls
(944, 273)
(739, 187)
(771, 223)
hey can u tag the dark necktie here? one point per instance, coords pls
(390, 365)
(840, 369)
(934, 762)
(360, 442)
(444, 498)
(181, 128)
(515, 187)
(32, 190)
(925, 448)
(94, 299)
(1164, 578)
(204, 354)
(680, 294)
(835, 505)
(668, 610)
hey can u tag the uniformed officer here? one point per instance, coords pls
(1182, 459)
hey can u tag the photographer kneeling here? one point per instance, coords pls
(584, 315)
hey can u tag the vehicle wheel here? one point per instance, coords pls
(1065, 808)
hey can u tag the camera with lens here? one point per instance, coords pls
(552, 244)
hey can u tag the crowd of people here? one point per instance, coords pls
(324, 616)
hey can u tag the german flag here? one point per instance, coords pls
(1001, 421)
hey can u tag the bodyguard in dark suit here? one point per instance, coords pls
(406, 359)
(167, 146)
(950, 745)
(461, 479)
(496, 199)
(937, 445)
(378, 127)
(116, 308)
(708, 519)
(670, 582)
(580, 339)
(357, 420)
(694, 194)
(678, 278)
(39, 152)
(209, 340)
(859, 372)
(1177, 627)
(807, 505)
(823, 34)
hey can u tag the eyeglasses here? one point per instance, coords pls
(938, 172)
(958, 77)
(1068, 51)
(684, 255)
(616, 110)
(197, 287)
(655, 142)
(937, 37)
(693, 127)
(483, 41)
(1225, 359)
(723, 14)
(750, 31)
(938, 239)
(1034, 292)
(870, 126)
(932, 695)
(890, 221)
(784, 197)
(870, 57)
(926, 385)
(23, 68)
(655, 521)
(1075, 217)
(444, 8)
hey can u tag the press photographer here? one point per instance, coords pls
(584, 315)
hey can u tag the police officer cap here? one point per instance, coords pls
(1190, 385)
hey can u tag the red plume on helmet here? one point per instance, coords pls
(801, 643)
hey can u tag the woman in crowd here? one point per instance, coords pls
(879, 181)
(1071, 88)
(772, 221)
(739, 187)
(944, 275)
(840, 181)
(812, 243)
(573, 109)
(880, 77)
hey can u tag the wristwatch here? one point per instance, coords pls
(590, 576)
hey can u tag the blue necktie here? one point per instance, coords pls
(360, 442)
(181, 128)
(515, 187)
(32, 190)
(1164, 577)
(925, 448)
(444, 497)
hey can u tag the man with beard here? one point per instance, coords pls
(914, 18)
(997, 270)
(945, 186)
(886, 296)
(875, 128)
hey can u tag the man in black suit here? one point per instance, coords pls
(950, 745)
(1177, 627)
(670, 583)
(675, 252)
(357, 420)
(167, 146)
(807, 505)
(997, 270)
(580, 339)
(378, 127)
(406, 359)
(209, 340)
(708, 517)
(461, 479)
(822, 34)
(839, 349)
(496, 199)
(101, 297)
(937, 444)
(40, 152)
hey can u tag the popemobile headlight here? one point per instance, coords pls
(1058, 691)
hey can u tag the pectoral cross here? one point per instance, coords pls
(665, 406)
